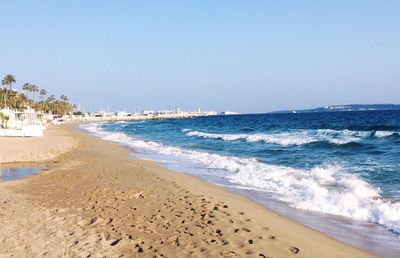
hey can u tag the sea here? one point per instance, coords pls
(336, 172)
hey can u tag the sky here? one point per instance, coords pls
(249, 56)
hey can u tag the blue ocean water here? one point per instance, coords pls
(338, 163)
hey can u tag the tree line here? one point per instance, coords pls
(32, 96)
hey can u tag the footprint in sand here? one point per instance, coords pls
(139, 248)
(294, 250)
(115, 242)
(228, 253)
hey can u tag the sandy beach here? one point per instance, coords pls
(35, 149)
(96, 201)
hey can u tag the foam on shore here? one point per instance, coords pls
(327, 189)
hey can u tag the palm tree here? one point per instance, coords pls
(49, 102)
(64, 104)
(21, 101)
(51, 98)
(42, 94)
(12, 99)
(64, 98)
(34, 90)
(7, 81)
(26, 88)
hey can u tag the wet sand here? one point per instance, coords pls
(97, 201)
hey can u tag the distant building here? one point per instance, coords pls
(123, 114)
(227, 113)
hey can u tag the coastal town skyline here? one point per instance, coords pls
(47, 103)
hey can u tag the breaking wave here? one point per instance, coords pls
(327, 189)
(382, 134)
(296, 137)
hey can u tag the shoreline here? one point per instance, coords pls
(99, 183)
(364, 235)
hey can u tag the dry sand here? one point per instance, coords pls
(96, 201)
(35, 149)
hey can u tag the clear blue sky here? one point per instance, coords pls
(247, 56)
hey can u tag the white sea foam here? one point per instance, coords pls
(326, 189)
(295, 137)
(381, 134)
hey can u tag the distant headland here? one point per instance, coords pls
(349, 107)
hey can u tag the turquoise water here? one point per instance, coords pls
(339, 165)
